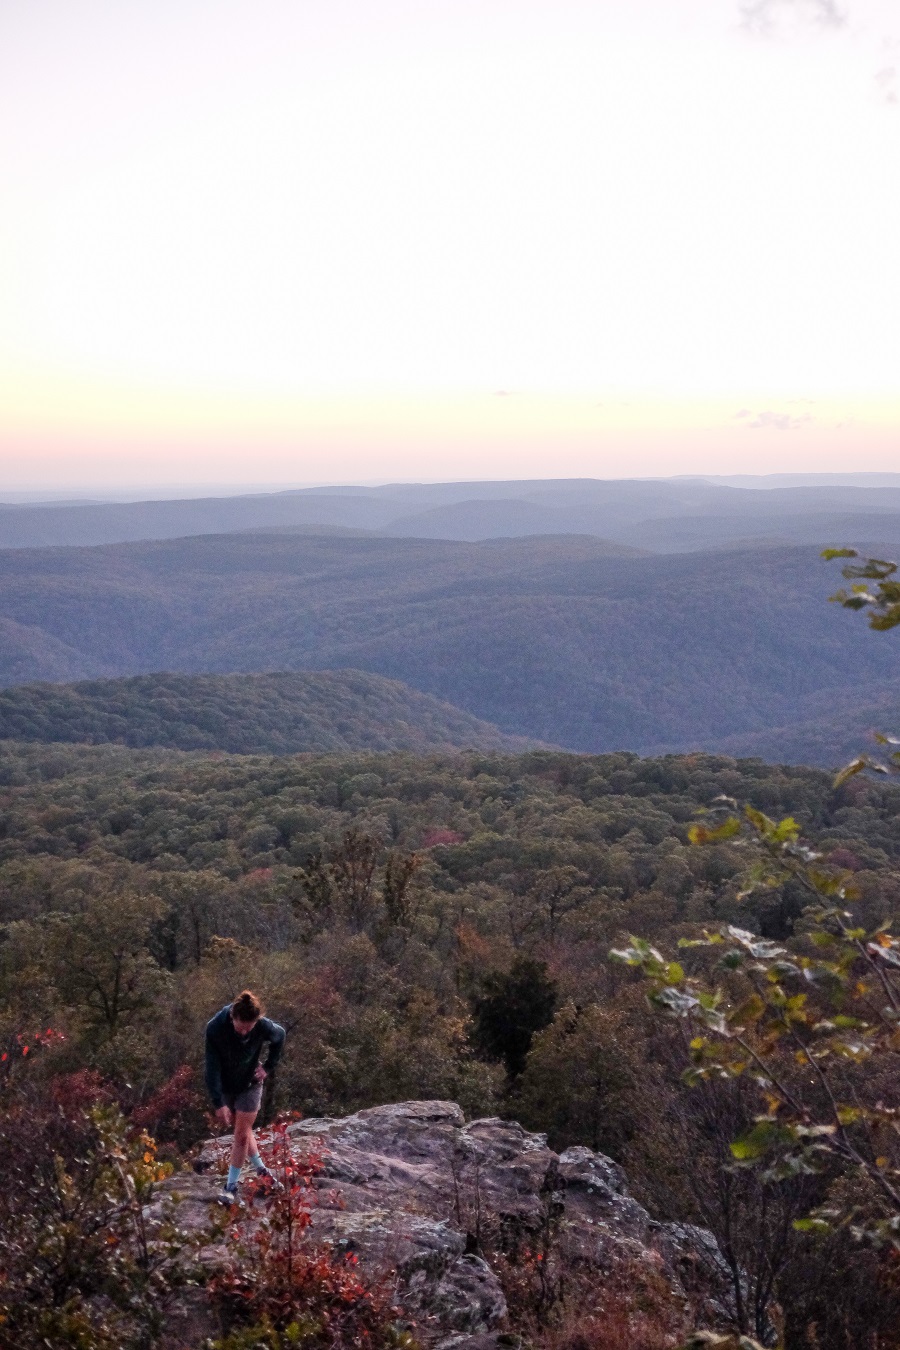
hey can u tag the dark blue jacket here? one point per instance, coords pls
(232, 1059)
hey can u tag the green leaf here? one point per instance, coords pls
(758, 1140)
(874, 569)
(751, 1010)
(781, 969)
(852, 601)
(829, 553)
(675, 1001)
(762, 949)
(855, 766)
(812, 1226)
(759, 821)
(882, 622)
(626, 955)
(640, 953)
(702, 834)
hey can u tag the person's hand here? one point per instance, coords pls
(259, 1074)
(224, 1114)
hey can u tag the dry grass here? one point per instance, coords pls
(631, 1307)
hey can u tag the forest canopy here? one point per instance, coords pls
(425, 927)
(329, 710)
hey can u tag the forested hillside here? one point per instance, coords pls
(277, 714)
(424, 928)
(242, 868)
(840, 731)
(549, 638)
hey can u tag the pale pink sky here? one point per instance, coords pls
(292, 241)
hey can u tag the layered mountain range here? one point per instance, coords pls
(568, 640)
(659, 515)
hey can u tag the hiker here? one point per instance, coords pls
(234, 1076)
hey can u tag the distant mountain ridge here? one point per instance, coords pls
(285, 713)
(660, 515)
(560, 640)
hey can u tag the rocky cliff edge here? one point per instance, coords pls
(421, 1196)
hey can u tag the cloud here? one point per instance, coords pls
(763, 16)
(887, 81)
(778, 421)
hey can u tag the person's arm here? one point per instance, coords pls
(213, 1071)
(276, 1045)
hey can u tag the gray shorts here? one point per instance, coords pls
(248, 1100)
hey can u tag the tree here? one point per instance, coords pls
(396, 886)
(578, 1081)
(341, 878)
(194, 908)
(557, 891)
(98, 960)
(513, 1006)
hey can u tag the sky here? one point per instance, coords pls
(308, 241)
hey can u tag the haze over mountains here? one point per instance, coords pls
(569, 640)
(659, 515)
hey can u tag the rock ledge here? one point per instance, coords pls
(413, 1189)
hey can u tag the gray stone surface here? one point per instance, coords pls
(417, 1194)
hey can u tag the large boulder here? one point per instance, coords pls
(415, 1191)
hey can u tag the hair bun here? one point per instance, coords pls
(246, 1007)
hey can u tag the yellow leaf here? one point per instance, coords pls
(848, 771)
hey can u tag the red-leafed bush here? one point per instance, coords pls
(77, 1093)
(280, 1288)
(79, 1265)
(557, 1303)
(845, 858)
(433, 837)
(259, 876)
(175, 1112)
(20, 1045)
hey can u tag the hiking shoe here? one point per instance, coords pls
(268, 1182)
(228, 1196)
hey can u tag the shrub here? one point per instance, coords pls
(279, 1289)
(79, 1266)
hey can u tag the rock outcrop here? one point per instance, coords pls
(414, 1190)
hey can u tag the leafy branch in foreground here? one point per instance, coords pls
(882, 600)
(883, 603)
(814, 1023)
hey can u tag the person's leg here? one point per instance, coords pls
(253, 1152)
(244, 1140)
